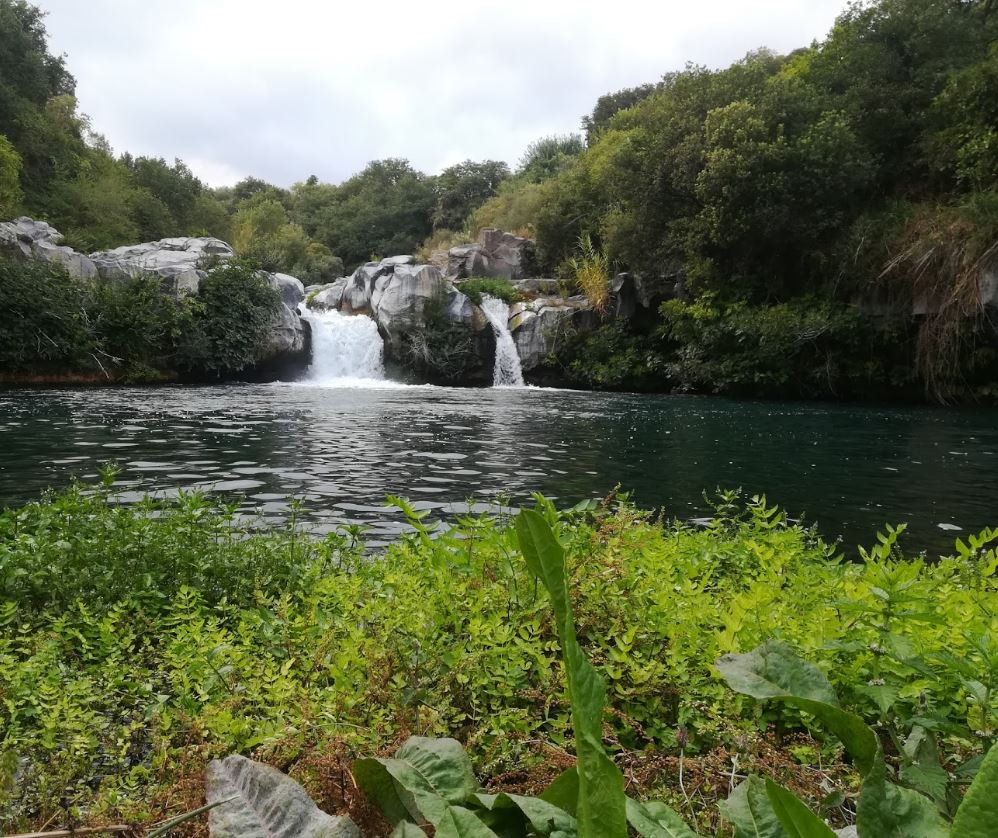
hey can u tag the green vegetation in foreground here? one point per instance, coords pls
(138, 642)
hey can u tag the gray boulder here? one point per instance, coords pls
(402, 294)
(287, 334)
(290, 288)
(467, 260)
(539, 325)
(178, 262)
(510, 257)
(329, 296)
(360, 285)
(261, 802)
(495, 254)
(32, 239)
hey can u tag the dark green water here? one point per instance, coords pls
(849, 468)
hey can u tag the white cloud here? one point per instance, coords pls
(285, 90)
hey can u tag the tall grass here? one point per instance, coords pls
(592, 273)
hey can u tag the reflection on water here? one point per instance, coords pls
(342, 450)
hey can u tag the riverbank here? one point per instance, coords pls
(139, 642)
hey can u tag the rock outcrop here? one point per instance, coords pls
(290, 288)
(540, 325)
(32, 239)
(496, 254)
(396, 293)
(180, 263)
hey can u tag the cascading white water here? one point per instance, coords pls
(346, 349)
(507, 371)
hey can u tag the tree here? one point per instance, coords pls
(384, 210)
(546, 157)
(462, 188)
(10, 184)
(609, 105)
(174, 187)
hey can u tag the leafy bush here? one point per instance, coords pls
(502, 289)
(612, 357)
(233, 312)
(807, 347)
(43, 324)
(10, 185)
(137, 327)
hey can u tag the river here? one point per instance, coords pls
(341, 450)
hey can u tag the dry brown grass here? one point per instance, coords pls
(937, 263)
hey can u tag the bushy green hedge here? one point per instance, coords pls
(54, 325)
(136, 643)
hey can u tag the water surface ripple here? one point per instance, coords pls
(342, 450)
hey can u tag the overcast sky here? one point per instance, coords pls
(282, 90)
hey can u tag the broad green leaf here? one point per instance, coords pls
(458, 822)
(407, 830)
(399, 790)
(884, 810)
(656, 820)
(889, 811)
(977, 816)
(749, 810)
(601, 808)
(797, 820)
(564, 791)
(424, 777)
(443, 763)
(544, 818)
(773, 670)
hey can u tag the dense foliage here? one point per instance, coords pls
(857, 174)
(232, 314)
(845, 192)
(136, 643)
(53, 325)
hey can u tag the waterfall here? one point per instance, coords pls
(346, 349)
(507, 371)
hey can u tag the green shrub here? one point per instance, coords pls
(806, 347)
(612, 357)
(137, 327)
(233, 312)
(43, 322)
(477, 286)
